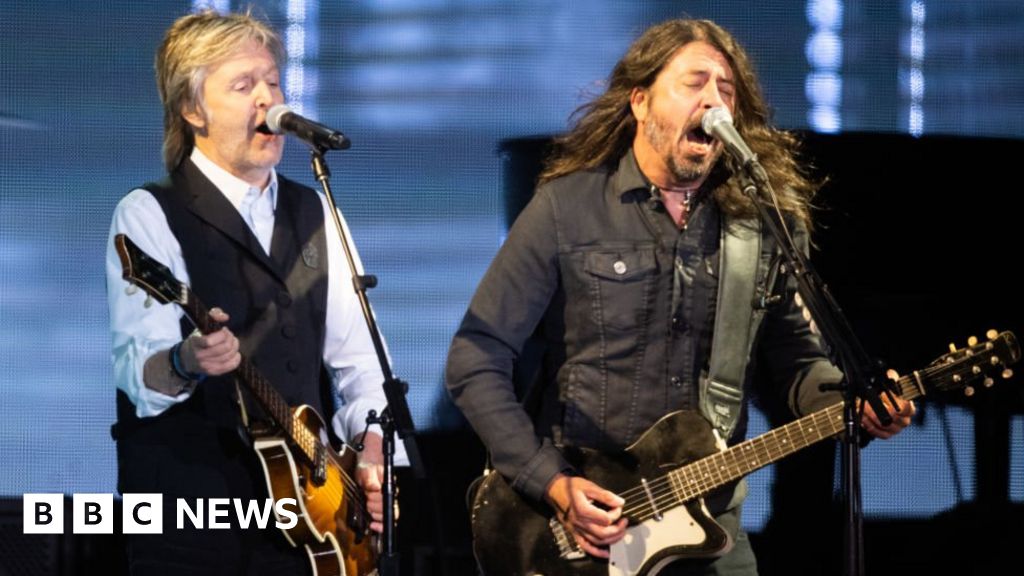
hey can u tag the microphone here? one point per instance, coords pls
(281, 120)
(717, 122)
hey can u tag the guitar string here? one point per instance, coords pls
(666, 496)
(194, 309)
(773, 445)
(706, 476)
(827, 420)
(311, 443)
(275, 407)
(719, 458)
(769, 445)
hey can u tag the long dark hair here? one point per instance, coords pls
(604, 128)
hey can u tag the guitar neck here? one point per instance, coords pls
(268, 397)
(702, 476)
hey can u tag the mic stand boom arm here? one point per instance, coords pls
(863, 377)
(395, 417)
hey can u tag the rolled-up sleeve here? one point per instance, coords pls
(139, 330)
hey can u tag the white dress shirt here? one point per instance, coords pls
(138, 332)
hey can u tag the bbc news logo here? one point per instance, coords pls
(144, 513)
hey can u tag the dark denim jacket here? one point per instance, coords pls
(590, 261)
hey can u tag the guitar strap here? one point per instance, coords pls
(721, 393)
(736, 320)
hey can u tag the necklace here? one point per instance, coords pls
(682, 202)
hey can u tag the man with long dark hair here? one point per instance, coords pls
(630, 258)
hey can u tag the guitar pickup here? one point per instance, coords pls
(319, 477)
(354, 518)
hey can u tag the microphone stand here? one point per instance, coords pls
(864, 378)
(395, 417)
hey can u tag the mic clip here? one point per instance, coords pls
(767, 301)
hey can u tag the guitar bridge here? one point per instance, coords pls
(568, 549)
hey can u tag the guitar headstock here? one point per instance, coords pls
(143, 271)
(962, 368)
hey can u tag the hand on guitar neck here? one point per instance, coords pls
(901, 414)
(213, 354)
(179, 368)
(591, 513)
(217, 353)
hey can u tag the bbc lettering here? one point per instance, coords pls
(143, 513)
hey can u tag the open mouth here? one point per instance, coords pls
(264, 129)
(699, 136)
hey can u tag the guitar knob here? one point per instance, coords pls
(972, 341)
(957, 378)
(992, 334)
(969, 391)
(976, 370)
(988, 382)
(1007, 374)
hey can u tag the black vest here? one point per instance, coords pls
(277, 304)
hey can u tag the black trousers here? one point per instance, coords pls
(187, 457)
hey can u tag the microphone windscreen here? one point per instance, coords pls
(274, 116)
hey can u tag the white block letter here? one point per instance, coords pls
(93, 514)
(142, 514)
(43, 514)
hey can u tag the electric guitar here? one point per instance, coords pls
(333, 523)
(665, 474)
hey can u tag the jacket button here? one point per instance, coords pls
(677, 381)
(284, 300)
(619, 266)
(678, 322)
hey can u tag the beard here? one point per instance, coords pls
(684, 168)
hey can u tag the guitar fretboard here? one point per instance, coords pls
(269, 398)
(702, 476)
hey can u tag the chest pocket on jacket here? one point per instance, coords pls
(620, 284)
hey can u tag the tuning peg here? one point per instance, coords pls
(992, 334)
(1007, 373)
(131, 289)
(148, 302)
(969, 391)
(972, 341)
(988, 382)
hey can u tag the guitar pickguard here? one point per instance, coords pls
(650, 546)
